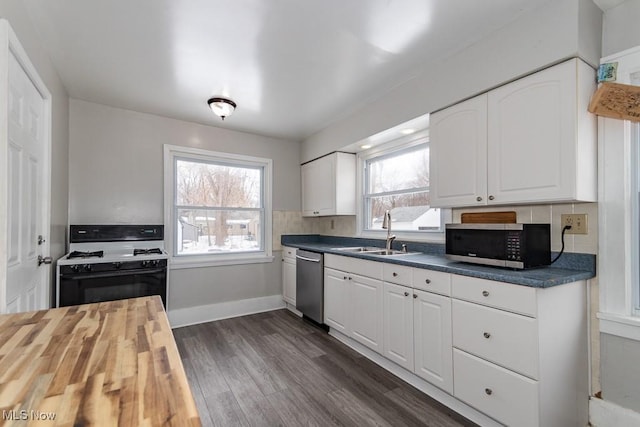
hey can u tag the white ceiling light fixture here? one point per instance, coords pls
(221, 107)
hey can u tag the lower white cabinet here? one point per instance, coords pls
(398, 324)
(433, 339)
(365, 309)
(289, 275)
(336, 288)
(514, 353)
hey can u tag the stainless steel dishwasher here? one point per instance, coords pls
(310, 285)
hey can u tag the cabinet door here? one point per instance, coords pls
(532, 137)
(365, 311)
(398, 324)
(318, 186)
(289, 281)
(432, 334)
(458, 154)
(335, 299)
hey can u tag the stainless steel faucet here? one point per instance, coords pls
(386, 224)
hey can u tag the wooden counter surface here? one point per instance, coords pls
(111, 363)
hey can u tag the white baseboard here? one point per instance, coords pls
(603, 413)
(409, 377)
(224, 310)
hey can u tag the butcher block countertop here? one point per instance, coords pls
(110, 363)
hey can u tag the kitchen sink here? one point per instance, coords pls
(370, 250)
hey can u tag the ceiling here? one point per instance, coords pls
(292, 66)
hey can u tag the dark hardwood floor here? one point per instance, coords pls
(275, 369)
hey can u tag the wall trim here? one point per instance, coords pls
(603, 413)
(224, 310)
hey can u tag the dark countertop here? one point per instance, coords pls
(431, 257)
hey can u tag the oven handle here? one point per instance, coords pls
(112, 274)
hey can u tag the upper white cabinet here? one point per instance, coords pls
(329, 185)
(529, 141)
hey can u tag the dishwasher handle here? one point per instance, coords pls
(307, 259)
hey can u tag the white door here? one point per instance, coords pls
(398, 324)
(335, 300)
(289, 281)
(433, 339)
(365, 299)
(25, 147)
(318, 186)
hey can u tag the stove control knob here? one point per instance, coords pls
(75, 268)
(145, 263)
(87, 267)
(155, 263)
(117, 264)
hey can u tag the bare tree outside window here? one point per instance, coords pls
(218, 207)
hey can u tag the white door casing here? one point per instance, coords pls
(25, 147)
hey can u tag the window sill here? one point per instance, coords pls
(623, 326)
(178, 263)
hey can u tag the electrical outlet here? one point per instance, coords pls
(578, 223)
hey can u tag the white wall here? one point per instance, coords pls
(621, 29)
(15, 12)
(116, 176)
(560, 30)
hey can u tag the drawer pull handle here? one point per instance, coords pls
(488, 391)
(406, 294)
(487, 335)
(427, 281)
(395, 274)
(415, 295)
(485, 293)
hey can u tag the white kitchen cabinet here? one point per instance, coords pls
(458, 154)
(336, 293)
(329, 185)
(398, 324)
(365, 311)
(433, 339)
(520, 353)
(289, 275)
(536, 145)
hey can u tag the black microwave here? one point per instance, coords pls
(516, 246)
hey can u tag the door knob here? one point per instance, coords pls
(44, 260)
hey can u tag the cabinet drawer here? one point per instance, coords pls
(432, 281)
(361, 267)
(507, 339)
(399, 274)
(289, 253)
(504, 395)
(515, 298)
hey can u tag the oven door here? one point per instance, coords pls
(84, 288)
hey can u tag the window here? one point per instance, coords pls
(396, 178)
(219, 206)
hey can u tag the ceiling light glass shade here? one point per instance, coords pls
(221, 107)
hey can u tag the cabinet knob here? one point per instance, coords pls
(395, 274)
(478, 199)
(406, 294)
(485, 293)
(488, 391)
(427, 281)
(415, 296)
(345, 277)
(487, 335)
(491, 197)
(350, 278)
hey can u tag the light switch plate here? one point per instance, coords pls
(578, 223)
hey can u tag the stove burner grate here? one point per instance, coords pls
(80, 254)
(153, 251)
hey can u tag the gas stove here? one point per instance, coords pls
(108, 262)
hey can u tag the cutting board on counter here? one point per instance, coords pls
(488, 217)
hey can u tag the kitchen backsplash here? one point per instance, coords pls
(292, 222)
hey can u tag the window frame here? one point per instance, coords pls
(396, 146)
(173, 153)
(619, 229)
